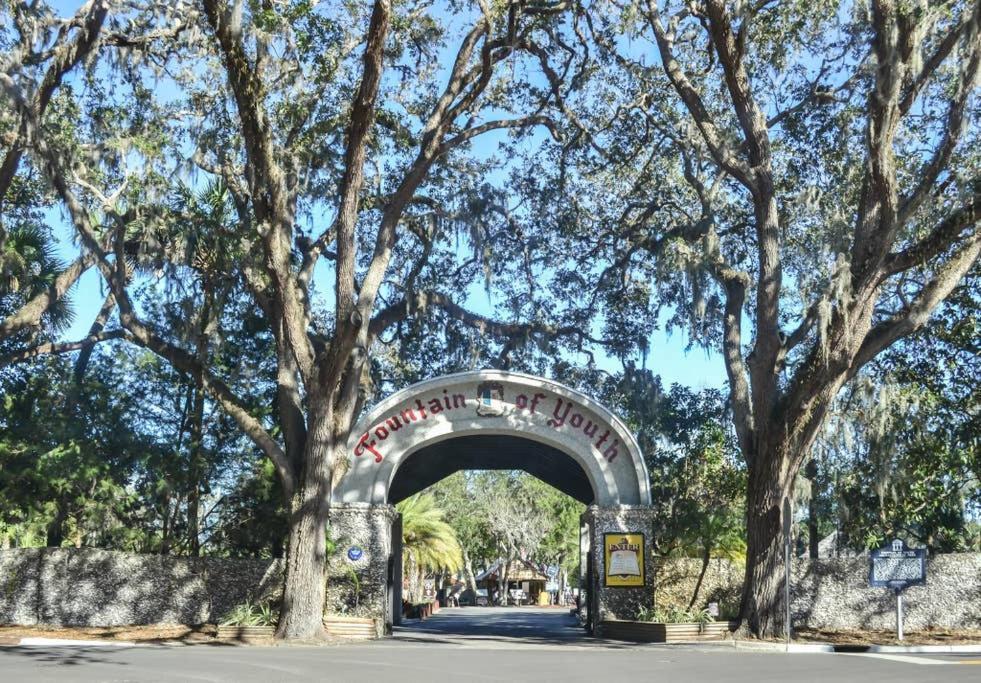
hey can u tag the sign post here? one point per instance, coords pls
(897, 566)
(899, 614)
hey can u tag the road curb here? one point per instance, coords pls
(922, 649)
(792, 648)
(818, 648)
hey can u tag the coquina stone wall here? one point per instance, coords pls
(834, 593)
(676, 578)
(88, 587)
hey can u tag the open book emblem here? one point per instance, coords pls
(624, 559)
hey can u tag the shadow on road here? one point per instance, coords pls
(74, 655)
(489, 625)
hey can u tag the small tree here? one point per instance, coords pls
(429, 543)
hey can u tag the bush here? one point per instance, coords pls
(249, 614)
(675, 615)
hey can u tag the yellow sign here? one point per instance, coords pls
(624, 566)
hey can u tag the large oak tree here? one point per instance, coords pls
(795, 184)
(345, 141)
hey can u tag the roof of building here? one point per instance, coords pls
(520, 570)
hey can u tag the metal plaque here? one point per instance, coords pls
(897, 566)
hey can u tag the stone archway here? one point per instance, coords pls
(486, 420)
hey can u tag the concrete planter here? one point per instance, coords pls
(246, 633)
(653, 632)
(353, 628)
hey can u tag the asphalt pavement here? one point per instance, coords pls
(480, 644)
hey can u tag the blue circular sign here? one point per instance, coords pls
(354, 553)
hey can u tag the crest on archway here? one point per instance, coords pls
(490, 398)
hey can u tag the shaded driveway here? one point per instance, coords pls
(496, 625)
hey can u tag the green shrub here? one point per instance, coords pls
(249, 614)
(674, 615)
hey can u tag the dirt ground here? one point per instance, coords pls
(929, 637)
(205, 633)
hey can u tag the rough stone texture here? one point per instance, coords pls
(89, 587)
(833, 593)
(619, 603)
(19, 596)
(675, 579)
(230, 582)
(360, 587)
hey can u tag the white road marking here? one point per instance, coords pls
(59, 642)
(905, 659)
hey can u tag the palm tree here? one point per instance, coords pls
(429, 543)
(719, 533)
(28, 266)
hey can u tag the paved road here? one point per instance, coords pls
(468, 645)
(496, 627)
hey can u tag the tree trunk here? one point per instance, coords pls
(55, 534)
(701, 575)
(195, 469)
(505, 571)
(304, 592)
(469, 573)
(762, 599)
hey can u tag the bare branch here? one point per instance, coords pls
(59, 347)
(66, 57)
(916, 314)
(943, 235)
(723, 154)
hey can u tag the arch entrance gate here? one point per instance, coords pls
(490, 420)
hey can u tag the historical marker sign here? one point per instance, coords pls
(897, 566)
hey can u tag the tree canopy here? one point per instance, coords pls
(292, 207)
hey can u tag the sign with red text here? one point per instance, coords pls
(489, 399)
(489, 403)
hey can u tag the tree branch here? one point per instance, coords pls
(943, 235)
(98, 325)
(422, 301)
(60, 347)
(362, 122)
(954, 121)
(723, 154)
(66, 57)
(29, 315)
(917, 313)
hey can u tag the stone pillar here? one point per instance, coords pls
(358, 569)
(614, 602)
